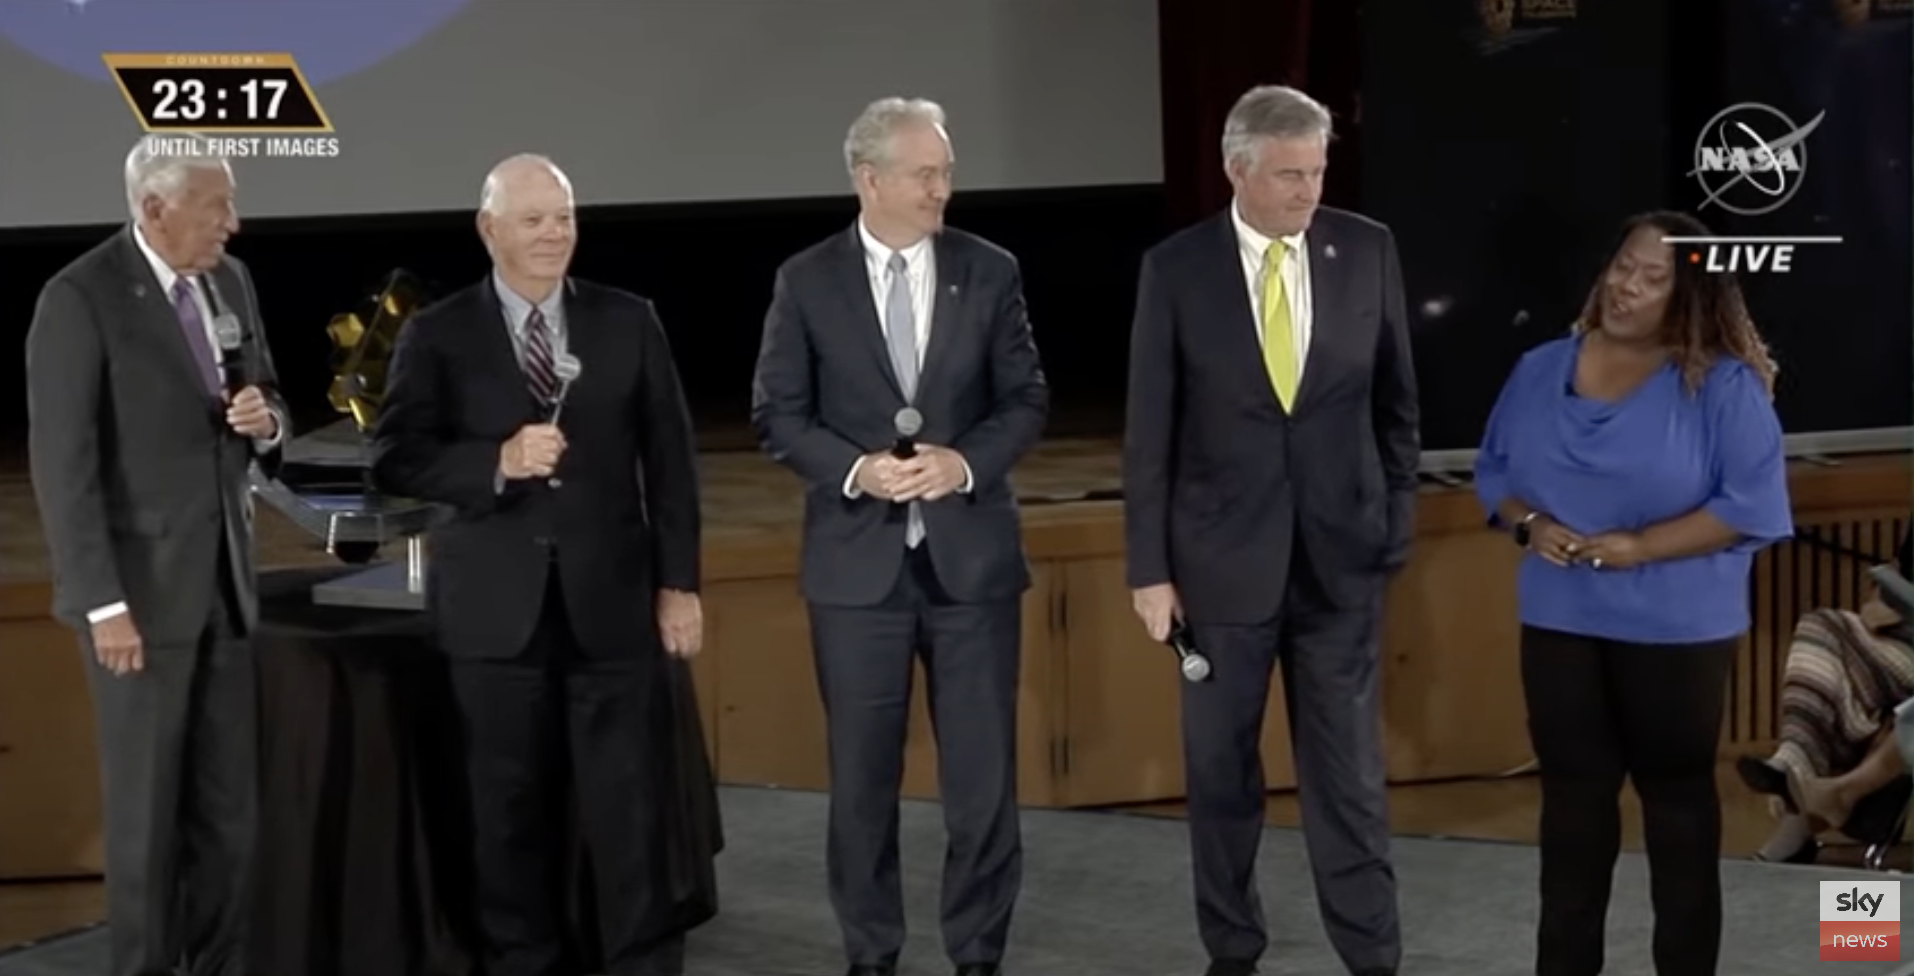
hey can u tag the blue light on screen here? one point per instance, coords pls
(331, 39)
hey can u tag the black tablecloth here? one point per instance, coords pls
(362, 859)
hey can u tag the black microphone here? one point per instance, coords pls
(1194, 665)
(230, 336)
(567, 369)
(908, 422)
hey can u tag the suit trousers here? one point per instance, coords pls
(179, 776)
(1599, 711)
(865, 658)
(545, 732)
(1329, 658)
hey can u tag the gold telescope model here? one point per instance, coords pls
(362, 343)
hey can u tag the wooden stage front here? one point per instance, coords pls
(1098, 711)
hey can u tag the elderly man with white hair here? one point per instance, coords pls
(151, 391)
(546, 414)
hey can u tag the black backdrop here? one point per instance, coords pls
(1506, 158)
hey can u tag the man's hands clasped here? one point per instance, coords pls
(533, 452)
(932, 474)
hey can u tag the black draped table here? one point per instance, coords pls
(363, 867)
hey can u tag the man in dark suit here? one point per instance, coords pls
(1269, 483)
(151, 391)
(567, 571)
(917, 554)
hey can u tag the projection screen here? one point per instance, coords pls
(642, 101)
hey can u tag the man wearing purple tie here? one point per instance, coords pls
(151, 391)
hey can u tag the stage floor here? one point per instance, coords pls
(1109, 894)
(746, 498)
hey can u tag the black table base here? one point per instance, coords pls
(362, 867)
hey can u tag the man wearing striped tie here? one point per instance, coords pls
(1269, 487)
(545, 412)
(900, 326)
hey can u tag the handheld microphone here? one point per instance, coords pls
(1194, 665)
(567, 368)
(230, 337)
(908, 422)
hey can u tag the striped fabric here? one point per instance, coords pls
(1842, 684)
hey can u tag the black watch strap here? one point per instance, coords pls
(1522, 529)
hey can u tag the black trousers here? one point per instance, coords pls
(178, 765)
(865, 657)
(1329, 658)
(1600, 710)
(542, 731)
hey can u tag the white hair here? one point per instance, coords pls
(492, 194)
(1271, 112)
(869, 141)
(159, 164)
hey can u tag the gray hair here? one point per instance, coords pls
(159, 164)
(1271, 112)
(492, 194)
(868, 143)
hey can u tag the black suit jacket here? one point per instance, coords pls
(139, 479)
(624, 522)
(1217, 477)
(826, 394)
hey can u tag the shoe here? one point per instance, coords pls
(978, 969)
(1231, 967)
(1761, 777)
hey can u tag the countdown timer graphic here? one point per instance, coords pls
(331, 38)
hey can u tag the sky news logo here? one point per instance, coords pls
(1860, 921)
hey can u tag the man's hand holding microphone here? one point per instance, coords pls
(533, 452)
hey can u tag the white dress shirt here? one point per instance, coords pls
(920, 269)
(167, 279)
(1253, 245)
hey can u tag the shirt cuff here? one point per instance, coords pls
(850, 480)
(970, 480)
(498, 482)
(264, 444)
(106, 613)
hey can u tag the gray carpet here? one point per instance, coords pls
(1108, 894)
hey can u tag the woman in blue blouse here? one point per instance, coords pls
(1638, 460)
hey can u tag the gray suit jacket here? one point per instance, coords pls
(138, 478)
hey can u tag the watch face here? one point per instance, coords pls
(330, 38)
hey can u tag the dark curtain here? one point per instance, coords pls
(1211, 51)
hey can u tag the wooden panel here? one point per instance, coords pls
(771, 719)
(1452, 688)
(49, 779)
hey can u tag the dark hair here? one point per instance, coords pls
(1706, 317)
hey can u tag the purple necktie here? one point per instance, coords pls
(195, 329)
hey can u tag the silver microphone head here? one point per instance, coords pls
(566, 368)
(1196, 667)
(908, 422)
(226, 331)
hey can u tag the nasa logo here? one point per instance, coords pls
(331, 40)
(1751, 158)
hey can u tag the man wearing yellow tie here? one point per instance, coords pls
(1269, 482)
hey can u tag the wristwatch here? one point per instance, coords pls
(1522, 529)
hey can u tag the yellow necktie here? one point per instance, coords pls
(1279, 343)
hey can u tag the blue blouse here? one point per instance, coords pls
(1657, 454)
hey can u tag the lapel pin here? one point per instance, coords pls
(953, 289)
(139, 291)
(1330, 252)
